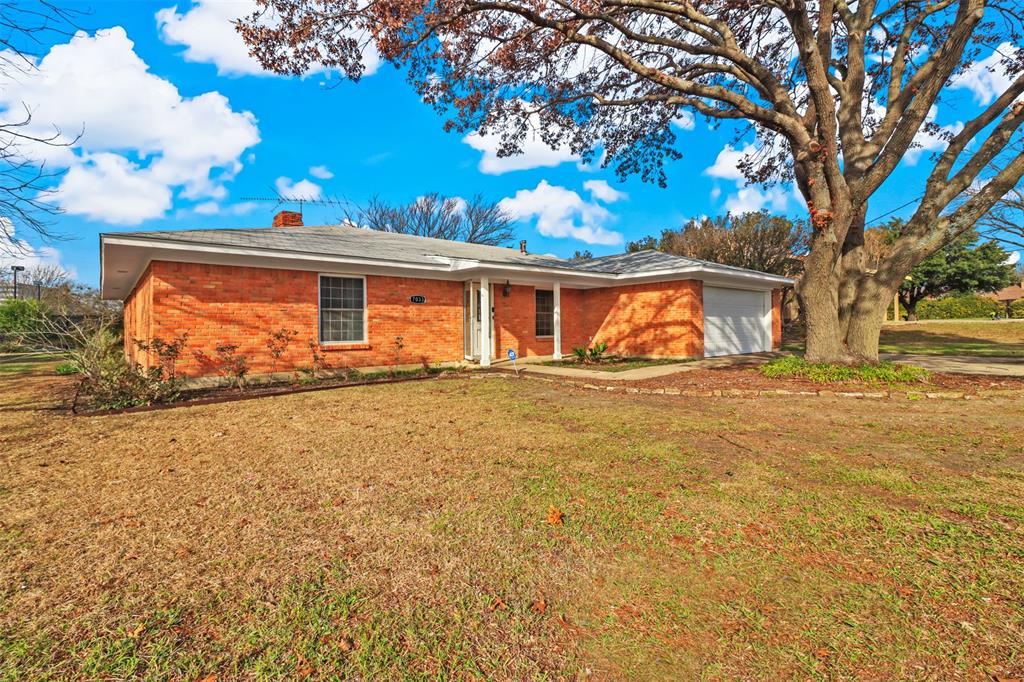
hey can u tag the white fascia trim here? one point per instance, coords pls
(268, 253)
(709, 268)
(445, 264)
(465, 265)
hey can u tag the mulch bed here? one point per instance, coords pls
(749, 377)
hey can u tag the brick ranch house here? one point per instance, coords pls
(350, 293)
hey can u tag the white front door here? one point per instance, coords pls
(471, 320)
(736, 321)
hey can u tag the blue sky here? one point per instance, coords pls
(178, 127)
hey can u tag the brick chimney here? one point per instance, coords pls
(288, 219)
(522, 246)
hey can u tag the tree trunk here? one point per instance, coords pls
(911, 307)
(853, 270)
(819, 300)
(865, 319)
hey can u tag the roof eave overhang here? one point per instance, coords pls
(124, 259)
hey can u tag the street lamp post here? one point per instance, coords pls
(16, 269)
(39, 289)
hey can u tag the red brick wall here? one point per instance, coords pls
(138, 319)
(515, 321)
(641, 319)
(240, 306)
(658, 319)
(776, 319)
(220, 305)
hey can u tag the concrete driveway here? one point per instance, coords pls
(962, 364)
(640, 373)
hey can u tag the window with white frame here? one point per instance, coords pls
(342, 309)
(545, 312)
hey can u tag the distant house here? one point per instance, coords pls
(363, 298)
(1010, 294)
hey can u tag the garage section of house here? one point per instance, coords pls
(736, 321)
(408, 300)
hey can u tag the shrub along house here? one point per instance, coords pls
(360, 298)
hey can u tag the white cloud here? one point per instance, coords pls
(602, 191)
(535, 152)
(685, 120)
(213, 208)
(110, 188)
(747, 197)
(561, 212)
(750, 198)
(321, 172)
(726, 165)
(25, 254)
(987, 78)
(208, 33)
(207, 208)
(303, 189)
(141, 141)
(929, 142)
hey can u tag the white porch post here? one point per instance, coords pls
(485, 322)
(557, 354)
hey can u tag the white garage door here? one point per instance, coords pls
(736, 321)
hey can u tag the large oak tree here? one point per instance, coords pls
(836, 91)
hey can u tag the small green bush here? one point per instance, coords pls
(66, 368)
(1017, 309)
(108, 381)
(825, 373)
(592, 355)
(958, 307)
(19, 321)
(120, 384)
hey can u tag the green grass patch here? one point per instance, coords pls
(826, 373)
(66, 368)
(23, 363)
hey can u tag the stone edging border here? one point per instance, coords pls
(762, 393)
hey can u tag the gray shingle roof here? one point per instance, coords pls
(637, 261)
(337, 240)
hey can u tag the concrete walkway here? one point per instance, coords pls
(639, 373)
(962, 364)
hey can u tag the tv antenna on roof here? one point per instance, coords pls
(281, 199)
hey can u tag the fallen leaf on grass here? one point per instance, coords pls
(539, 606)
(497, 603)
(303, 668)
(822, 653)
(134, 634)
(555, 516)
(212, 677)
(346, 644)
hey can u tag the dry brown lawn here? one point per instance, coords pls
(402, 531)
